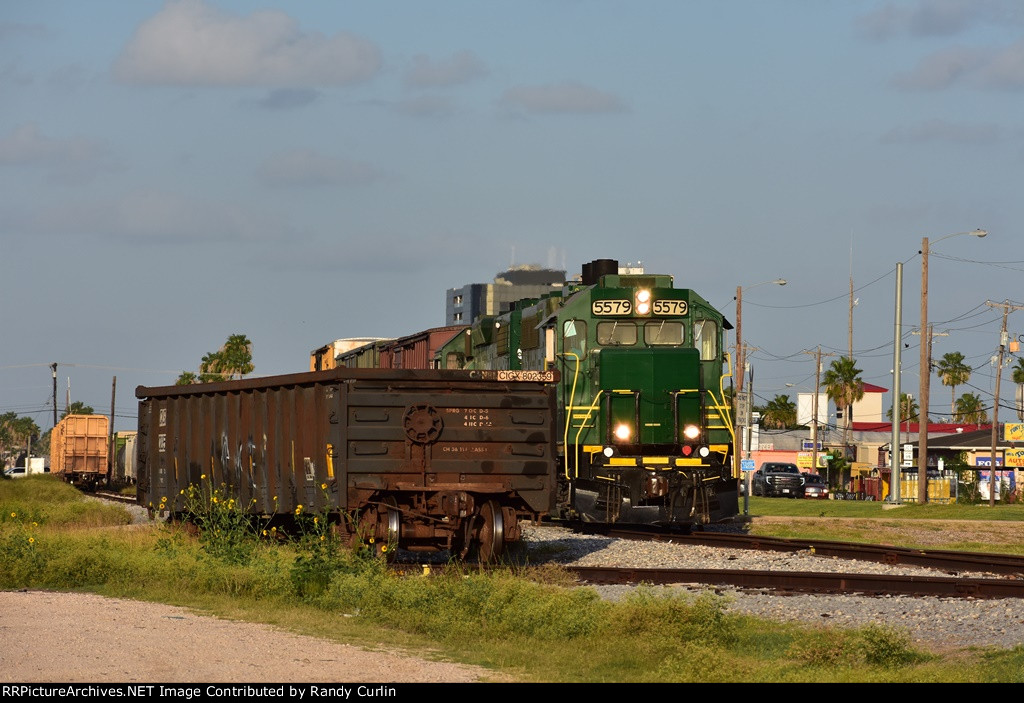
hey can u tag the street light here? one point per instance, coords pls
(895, 466)
(741, 369)
(926, 370)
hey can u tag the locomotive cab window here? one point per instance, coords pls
(663, 333)
(705, 338)
(574, 337)
(616, 334)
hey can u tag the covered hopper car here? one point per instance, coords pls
(421, 459)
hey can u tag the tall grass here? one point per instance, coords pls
(529, 628)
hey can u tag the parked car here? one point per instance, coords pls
(777, 479)
(814, 486)
(19, 471)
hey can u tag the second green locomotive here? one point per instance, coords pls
(644, 417)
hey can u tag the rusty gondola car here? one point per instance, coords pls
(421, 459)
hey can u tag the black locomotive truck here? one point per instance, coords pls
(421, 459)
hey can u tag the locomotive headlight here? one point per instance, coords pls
(691, 432)
(623, 432)
(643, 302)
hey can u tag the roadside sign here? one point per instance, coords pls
(747, 464)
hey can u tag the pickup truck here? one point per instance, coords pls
(778, 479)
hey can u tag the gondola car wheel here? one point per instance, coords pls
(381, 525)
(491, 539)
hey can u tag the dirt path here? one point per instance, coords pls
(82, 638)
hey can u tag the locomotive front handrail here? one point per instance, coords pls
(583, 425)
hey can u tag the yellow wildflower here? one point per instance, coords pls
(323, 486)
(14, 514)
(31, 540)
(202, 476)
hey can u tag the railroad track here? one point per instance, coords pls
(809, 582)
(114, 497)
(944, 560)
(795, 581)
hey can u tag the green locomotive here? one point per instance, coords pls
(645, 425)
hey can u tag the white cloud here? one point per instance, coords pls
(288, 98)
(426, 106)
(941, 69)
(461, 68)
(567, 97)
(66, 160)
(190, 42)
(305, 167)
(1005, 70)
(931, 18)
(988, 69)
(943, 131)
(153, 215)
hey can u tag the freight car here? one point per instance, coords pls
(644, 420)
(79, 450)
(414, 351)
(421, 459)
(122, 467)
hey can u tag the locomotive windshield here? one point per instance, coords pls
(616, 334)
(664, 332)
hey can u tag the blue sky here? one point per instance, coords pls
(175, 172)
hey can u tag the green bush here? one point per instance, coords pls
(881, 645)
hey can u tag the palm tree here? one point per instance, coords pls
(908, 409)
(970, 410)
(236, 356)
(779, 413)
(78, 408)
(844, 386)
(211, 368)
(954, 372)
(186, 378)
(1018, 372)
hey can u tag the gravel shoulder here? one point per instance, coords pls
(82, 638)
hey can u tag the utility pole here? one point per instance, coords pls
(1006, 306)
(110, 453)
(53, 367)
(814, 412)
(922, 413)
(814, 407)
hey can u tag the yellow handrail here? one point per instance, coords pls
(572, 397)
(583, 426)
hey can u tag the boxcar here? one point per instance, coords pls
(79, 450)
(420, 459)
